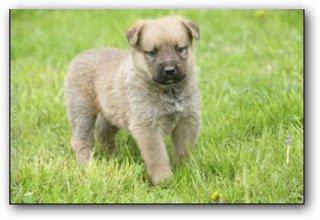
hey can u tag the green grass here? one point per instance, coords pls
(251, 79)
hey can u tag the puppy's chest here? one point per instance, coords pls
(172, 102)
(171, 109)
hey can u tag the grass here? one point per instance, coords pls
(250, 149)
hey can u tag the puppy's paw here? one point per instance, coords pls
(161, 178)
(83, 156)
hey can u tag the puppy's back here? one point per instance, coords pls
(89, 67)
(84, 66)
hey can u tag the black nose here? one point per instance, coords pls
(169, 70)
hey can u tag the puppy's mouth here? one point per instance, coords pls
(169, 81)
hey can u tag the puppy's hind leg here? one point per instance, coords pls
(82, 136)
(82, 119)
(105, 132)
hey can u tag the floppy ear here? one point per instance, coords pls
(133, 33)
(192, 27)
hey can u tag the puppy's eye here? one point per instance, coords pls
(152, 53)
(181, 49)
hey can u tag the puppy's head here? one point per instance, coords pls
(163, 49)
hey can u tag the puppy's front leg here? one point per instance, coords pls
(151, 144)
(184, 137)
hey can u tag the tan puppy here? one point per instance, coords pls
(151, 91)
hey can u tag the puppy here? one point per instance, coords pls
(150, 90)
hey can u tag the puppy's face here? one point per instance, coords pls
(162, 48)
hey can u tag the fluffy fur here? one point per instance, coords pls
(108, 89)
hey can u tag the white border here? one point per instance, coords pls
(152, 4)
(309, 211)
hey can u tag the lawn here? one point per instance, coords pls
(250, 149)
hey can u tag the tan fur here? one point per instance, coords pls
(107, 89)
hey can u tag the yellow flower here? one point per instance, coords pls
(261, 13)
(216, 196)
